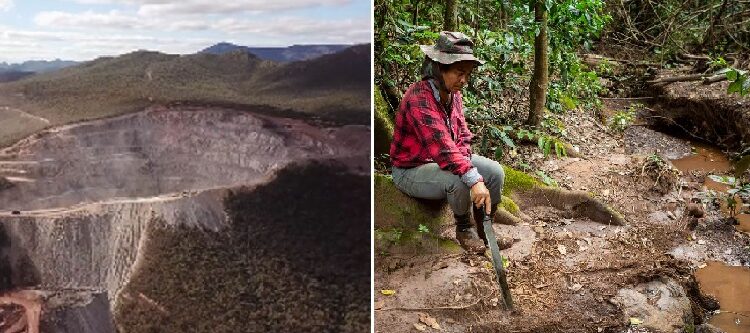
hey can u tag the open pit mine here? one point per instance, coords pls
(186, 219)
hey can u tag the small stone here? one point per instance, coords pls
(575, 287)
(562, 249)
(701, 242)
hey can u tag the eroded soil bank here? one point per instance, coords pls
(210, 219)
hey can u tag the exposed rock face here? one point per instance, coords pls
(161, 151)
(662, 305)
(182, 216)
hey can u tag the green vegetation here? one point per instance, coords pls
(622, 119)
(292, 259)
(670, 27)
(517, 181)
(383, 125)
(496, 99)
(740, 82)
(335, 87)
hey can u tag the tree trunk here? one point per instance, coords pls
(503, 15)
(538, 86)
(450, 16)
(415, 13)
(709, 40)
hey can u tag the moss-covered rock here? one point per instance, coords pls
(518, 181)
(509, 205)
(383, 125)
(394, 209)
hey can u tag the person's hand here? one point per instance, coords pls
(480, 195)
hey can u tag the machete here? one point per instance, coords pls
(497, 260)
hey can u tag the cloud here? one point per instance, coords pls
(88, 19)
(285, 28)
(314, 30)
(18, 45)
(203, 7)
(5, 5)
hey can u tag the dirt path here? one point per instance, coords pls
(571, 275)
(21, 312)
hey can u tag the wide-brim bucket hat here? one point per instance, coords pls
(451, 47)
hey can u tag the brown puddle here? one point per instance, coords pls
(715, 186)
(744, 220)
(731, 287)
(707, 158)
(712, 160)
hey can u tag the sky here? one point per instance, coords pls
(85, 29)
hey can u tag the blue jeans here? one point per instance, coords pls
(428, 181)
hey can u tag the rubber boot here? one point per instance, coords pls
(467, 235)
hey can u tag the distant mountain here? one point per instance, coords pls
(36, 66)
(347, 68)
(334, 86)
(11, 75)
(279, 54)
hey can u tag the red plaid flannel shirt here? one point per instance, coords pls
(422, 134)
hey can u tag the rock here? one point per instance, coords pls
(708, 328)
(695, 210)
(662, 304)
(383, 133)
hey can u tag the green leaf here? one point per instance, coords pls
(498, 153)
(540, 142)
(734, 87)
(723, 179)
(559, 149)
(507, 140)
(732, 75)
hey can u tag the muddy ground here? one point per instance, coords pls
(574, 275)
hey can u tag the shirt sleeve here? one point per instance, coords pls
(435, 137)
(464, 134)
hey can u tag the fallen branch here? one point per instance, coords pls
(689, 78)
(681, 78)
(715, 78)
(626, 98)
(455, 307)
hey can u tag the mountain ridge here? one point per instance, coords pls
(279, 54)
(334, 87)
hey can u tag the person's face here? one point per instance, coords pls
(457, 75)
